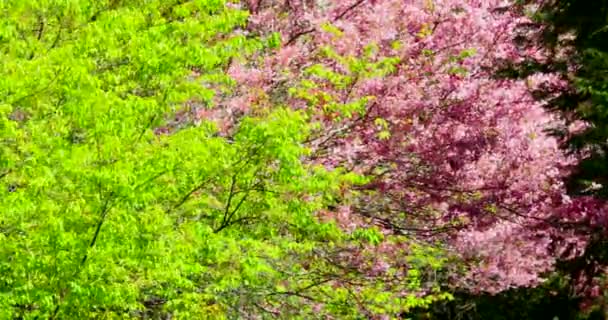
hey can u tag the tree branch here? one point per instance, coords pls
(341, 15)
(103, 214)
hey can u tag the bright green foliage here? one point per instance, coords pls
(318, 78)
(101, 218)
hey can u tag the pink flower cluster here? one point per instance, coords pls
(465, 153)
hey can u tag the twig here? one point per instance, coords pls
(295, 37)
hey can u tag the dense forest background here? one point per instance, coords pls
(303, 159)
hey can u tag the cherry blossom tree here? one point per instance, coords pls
(404, 92)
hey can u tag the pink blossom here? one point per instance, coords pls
(464, 149)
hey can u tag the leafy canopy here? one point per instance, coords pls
(102, 217)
